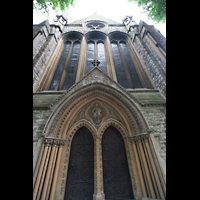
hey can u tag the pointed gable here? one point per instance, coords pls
(94, 17)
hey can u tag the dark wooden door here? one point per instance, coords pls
(80, 178)
(116, 177)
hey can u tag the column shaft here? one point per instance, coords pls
(47, 178)
(98, 173)
(158, 167)
(35, 190)
(150, 170)
(147, 172)
(155, 171)
(143, 170)
(139, 171)
(38, 161)
(55, 174)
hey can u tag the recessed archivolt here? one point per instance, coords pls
(73, 103)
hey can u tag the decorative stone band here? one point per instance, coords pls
(139, 137)
(54, 141)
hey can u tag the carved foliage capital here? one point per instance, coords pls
(139, 138)
(54, 142)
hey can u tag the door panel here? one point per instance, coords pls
(80, 179)
(116, 177)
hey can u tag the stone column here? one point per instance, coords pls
(98, 172)
(50, 169)
(157, 166)
(61, 144)
(110, 59)
(42, 187)
(134, 141)
(146, 143)
(148, 167)
(37, 157)
(42, 171)
(82, 60)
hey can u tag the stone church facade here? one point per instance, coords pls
(99, 110)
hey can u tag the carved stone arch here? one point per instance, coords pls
(72, 35)
(82, 123)
(118, 35)
(64, 161)
(114, 123)
(95, 35)
(72, 101)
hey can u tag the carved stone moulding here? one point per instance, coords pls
(54, 141)
(139, 137)
(96, 83)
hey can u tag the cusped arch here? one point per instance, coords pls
(82, 123)
(116, 124)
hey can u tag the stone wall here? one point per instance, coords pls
(153, 107)
(155, 70)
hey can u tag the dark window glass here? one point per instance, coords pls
(69, 79)
(59, 69)
(90, 57)
(133, 72)
(101, 57)
(122, 78)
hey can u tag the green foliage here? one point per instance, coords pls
(44, 5)
(155, 9)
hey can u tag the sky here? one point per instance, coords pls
(112, 9)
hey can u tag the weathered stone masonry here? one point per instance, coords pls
(139, 114)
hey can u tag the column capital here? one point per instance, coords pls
(54, 141)
(139, 137)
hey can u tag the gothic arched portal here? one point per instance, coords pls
(116, 176)
(80, 179)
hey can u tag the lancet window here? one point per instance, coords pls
(64, 75)
(127, 73)
(95, 51)
(75, 53)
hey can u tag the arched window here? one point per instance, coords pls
(59, 69)
(64, 75)
(131, 67)
(101, 57)
(121, 74)
(90, 56)
(127, 73)
(70, 71)
(95, 51)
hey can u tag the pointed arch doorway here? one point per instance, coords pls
(116, 177)
(80, 179)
